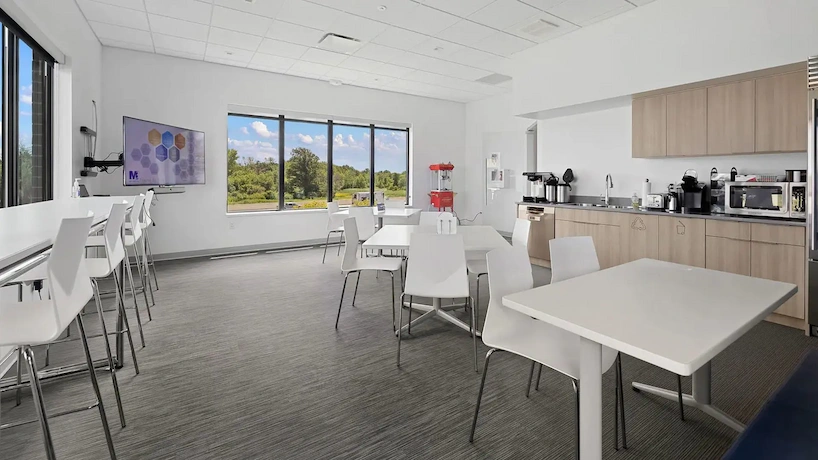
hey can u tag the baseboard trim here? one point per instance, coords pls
(233, 251)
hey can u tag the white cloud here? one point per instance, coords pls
(305, 138)
(351, 140)
(25, 94)
(244, 130)
(261, 129)
(338, 141)
(258, 150)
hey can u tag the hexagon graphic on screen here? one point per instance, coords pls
(154, 169)
(154, 137)
(177, 170)
(146, 149)
(183, 163)
(136, 154)
(161, 153)
(190, 169)
(183, 176)
(190, 144)
(173, 154)
(146, 161)
(167, 139)
(180, 141)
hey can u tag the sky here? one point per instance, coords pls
(25, 57)
(258, 138)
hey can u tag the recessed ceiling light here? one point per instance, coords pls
(336, 82)
(438, 48)
(229, 53)
(382, 8)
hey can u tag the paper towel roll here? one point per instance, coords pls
(645, 190)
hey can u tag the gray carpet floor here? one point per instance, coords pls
(243, 362)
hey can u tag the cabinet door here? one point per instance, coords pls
(681, 240)
(728, 255)
(649, 118)
(640, 237)
(731, 118)
(522, 211)
(606, 239)
(781, 114)
(687, 123)
(781, 262)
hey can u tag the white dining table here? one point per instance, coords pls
(672, 316)
(387, 212)
(477, 241)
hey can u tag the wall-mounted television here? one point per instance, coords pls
(158, 155)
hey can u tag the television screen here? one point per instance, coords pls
(157, 154)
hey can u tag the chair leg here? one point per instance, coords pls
(147, 281)
(39, 404)
(477, 305)
(358, 280)
(95, 384)
(539, 374)
(135, 303)
(576, 391)
(151, 263)
(474, 334)
(326, 245)
(530, 376)
(409, 325)
(480, 393)
(19, 392)
(681, 402)
(121, 306)
(141, 277)
(622, 401)
(111, 366)
(617, 389)
(392, 274)
(346, 276)
(400, 327)
(340, 242)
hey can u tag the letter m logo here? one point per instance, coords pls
(133, 175)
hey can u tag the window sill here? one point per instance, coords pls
(269, 213)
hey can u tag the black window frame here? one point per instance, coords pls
(331, 124)
(12, 34)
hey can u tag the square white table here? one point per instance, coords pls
(477, 241)
(672, 316)
(387, 212)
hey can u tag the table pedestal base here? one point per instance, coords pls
(435, 310)
(700, 398)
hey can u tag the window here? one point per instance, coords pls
(26, 117)
(286, 163)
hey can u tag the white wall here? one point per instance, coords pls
(598, 143)
(197, 94)
(664, 43)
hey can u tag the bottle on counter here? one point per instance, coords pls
(635, 201)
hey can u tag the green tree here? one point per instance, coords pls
(302, 173)
(232, 161)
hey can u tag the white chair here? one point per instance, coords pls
(33, 323)
(334, 225)
(436, 269)
(478, 267)
(394, 204)
(446, 224)
(508, 330)
(146, 222)
(414, 219)
(428, 218)
(364, 222)
(351, 263)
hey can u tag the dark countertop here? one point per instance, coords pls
(728, 217)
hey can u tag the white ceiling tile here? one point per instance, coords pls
(426, 20)
(466, 32)
(455, 70)
(264, 68)
(543, 5)
(560, 27)
(378, 52)
(178, 28)
(229, 62)
(228, 53)
(641, 2)
(132, 4)
(497, 64)
(280, 48)
(294, 33)
(438, 48)
(307, 14)
(188, 10)
(360, 64)
(580, 11)
(399, 38)
(122, 34)
(460, 8)
(356, 27)
(240, 21)
(311, 68)
(268, 8)
(126, 45)
(269, 61)
(181, 54)
(471, 57)
(234, 39)
(391, 70)
(323, 57)
(182, 45)
(415, 61)
(369, 8)
(504, 44)
(503, 13)
(615, 12)
(109, 14)
(343, 74)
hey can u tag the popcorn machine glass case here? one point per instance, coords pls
(441, 194)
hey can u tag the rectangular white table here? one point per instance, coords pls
(672, 316)
(387, 212)
(477, 241)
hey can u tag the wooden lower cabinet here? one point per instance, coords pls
(682, 241)
(728, 255)
(640, 237)
(781, 262)
(606, 239)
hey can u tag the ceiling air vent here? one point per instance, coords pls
(339, 43)
(812, 71)
(494, 79)
(538, 28)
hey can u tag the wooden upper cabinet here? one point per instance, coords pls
(687, 123)
(781, 113)
(649, 117)
(731, 118)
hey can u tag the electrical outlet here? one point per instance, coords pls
(232, 225)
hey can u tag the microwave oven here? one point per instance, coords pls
(766, 199)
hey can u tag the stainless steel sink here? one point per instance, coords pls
(599, 205)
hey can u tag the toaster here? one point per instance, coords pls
(654, 201)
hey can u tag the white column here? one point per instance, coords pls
(590, 400)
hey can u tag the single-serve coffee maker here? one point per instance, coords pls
(693, 196)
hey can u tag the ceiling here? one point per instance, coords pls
(433, 48)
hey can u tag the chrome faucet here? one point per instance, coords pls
(608, 187)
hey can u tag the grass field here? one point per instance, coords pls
(343, 198)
